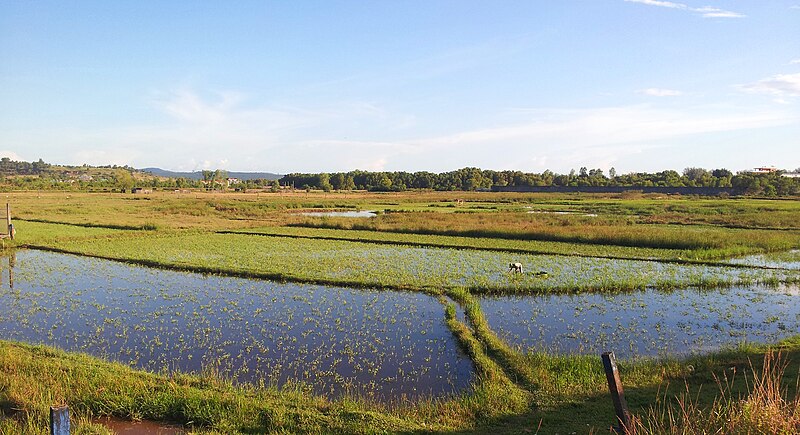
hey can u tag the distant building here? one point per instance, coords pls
(85, 178)
(792, 174)
(233, 181)
(765, 170)
(139, 190)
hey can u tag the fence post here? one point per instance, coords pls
(617, 394)
(59, 420)
(8, 221)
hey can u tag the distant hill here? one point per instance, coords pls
(198, 175)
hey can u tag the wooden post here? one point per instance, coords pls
(59, 420)
(8, 220)
(617, 394)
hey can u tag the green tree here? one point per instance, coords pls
(124, 179)
(349, 183)
(337, 181)
(324, 182)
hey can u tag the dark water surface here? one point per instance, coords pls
(382, 344)
(646, 323)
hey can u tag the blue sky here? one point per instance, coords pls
(309, 86)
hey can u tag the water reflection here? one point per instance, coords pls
(12, 262)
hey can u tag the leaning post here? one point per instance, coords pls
(617, 394)
(59, 420)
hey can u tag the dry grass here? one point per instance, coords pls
(768, 407)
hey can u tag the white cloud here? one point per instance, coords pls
(554, 139)
(658, 92)
(11, 155)
(233, 133)
(705, 11)
(779, 85)
(718, 13)
(614, 125)
(225, 130)
(663, 4)
(794, 62)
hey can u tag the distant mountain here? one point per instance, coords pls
(198, 175)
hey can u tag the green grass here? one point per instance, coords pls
(704, 242)
(32, 233)
(356, 264)
(480, 243)
(683, 256)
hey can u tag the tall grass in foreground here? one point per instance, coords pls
(767, 408)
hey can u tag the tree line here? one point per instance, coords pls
(41, 175)
(767, 184)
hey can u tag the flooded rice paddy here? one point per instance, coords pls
(646, 323)
(386, 345)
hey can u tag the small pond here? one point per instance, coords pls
(381, 344)
(646, 323)
(347, 214)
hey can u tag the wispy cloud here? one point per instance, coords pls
(794, 62)
(613, 125)
(705, 11)
(556, 139)
(658, 92)
(202, 130)
(227, 130)
(781, 86)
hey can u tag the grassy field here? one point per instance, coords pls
(359, 264)
(451, 244)
(709, 228)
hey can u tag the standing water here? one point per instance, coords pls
(386, 345)
(646, 323)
